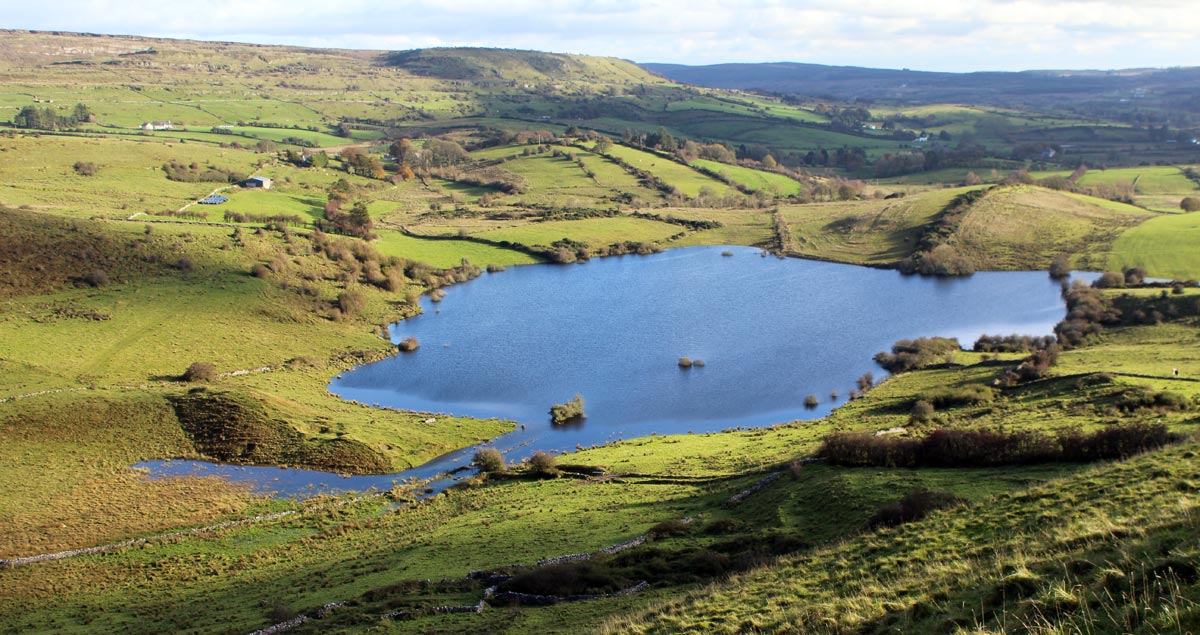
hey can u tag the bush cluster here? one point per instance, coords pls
(1147, 398)
(946, 447)
(908, 355)
(915, 505)
(195, 173)
(567, 412)
(489, 460)
(1012, 343)
(543, 464)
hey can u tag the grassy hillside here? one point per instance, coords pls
(1109, 550)
(1024, 537)
(867, 231)
(1024, 228)
(139, 324)
(1012, 227)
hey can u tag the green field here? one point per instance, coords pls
(687, 181)
(757, 180)
(447, 253)
(1150, 180)
(1164, 245)
(596, 232)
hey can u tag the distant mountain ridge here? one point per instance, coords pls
(1178, 86)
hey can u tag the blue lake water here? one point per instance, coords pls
(771, 331)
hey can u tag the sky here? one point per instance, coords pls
(936, 35)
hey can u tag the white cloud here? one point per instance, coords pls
(957, 35)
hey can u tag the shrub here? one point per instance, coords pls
(908, 355)
(922, 411)
(866, 381)
(1190, 204)
(95, 278)
(259, 270)
(351, 303)
(723, 526)
(200, 371)
(489, 460)
(566, 412)
(1110, 280)
(86, 168)
(408, 344)
(1060, 267)
(568, 578)
(543, 464)
(1144, 397)
(1012, 343)
(916, 505)
(943, 260)
(185, 265)
(667, 529)
(1114, 442)
(1134, 275)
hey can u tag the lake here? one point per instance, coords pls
(770, 331)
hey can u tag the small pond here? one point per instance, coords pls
(770, 332)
